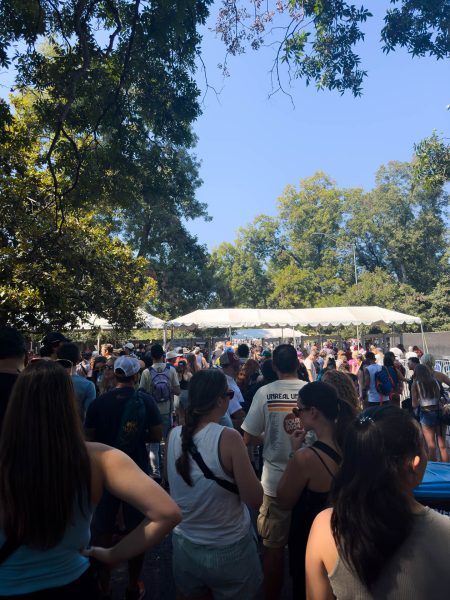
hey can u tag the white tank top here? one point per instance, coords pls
(211, 515)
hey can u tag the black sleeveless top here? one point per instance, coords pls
(308, 506)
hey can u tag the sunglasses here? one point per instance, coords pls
(298, 410)
(109, 367)
(229, 394)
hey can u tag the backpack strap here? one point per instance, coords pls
(227, 485)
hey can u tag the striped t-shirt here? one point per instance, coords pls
(271, 413)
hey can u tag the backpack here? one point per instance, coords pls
(161, 388)
(132, 425)
(383, 382)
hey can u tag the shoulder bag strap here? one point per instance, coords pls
(227, 485)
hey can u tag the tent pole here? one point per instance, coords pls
(98, 343)
(424, 343)
(229, 332)
(164, 336)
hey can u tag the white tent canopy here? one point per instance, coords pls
(267, 334)
(303, 317)
(95, 322)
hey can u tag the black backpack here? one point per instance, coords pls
(132, 425)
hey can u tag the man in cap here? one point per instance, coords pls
(13, 353)
(128, 349)
(69, 356)
(160, 377)
(50, 344)
(104, 422)
(231, 365)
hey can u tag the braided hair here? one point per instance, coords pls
(205, 387)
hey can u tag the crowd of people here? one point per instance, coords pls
(103, 455)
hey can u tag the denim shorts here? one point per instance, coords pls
(429, 418)
(232, 571)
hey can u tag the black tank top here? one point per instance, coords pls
(308, 506)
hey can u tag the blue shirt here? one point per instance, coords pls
(29, 569)
(85, 393)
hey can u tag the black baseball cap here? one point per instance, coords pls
(54, 338)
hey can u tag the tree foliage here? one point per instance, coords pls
(105, 95)
(396, 232)
(319, 38)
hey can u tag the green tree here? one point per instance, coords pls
(400, 228)
(431, 165)
(320, 38)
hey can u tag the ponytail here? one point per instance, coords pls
(370, 518)
(182, 463)
(205, 387)
(324, 397)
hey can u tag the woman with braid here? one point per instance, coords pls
(211, 479)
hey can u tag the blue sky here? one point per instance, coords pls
(251, 146)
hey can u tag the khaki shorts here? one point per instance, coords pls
(273, 523)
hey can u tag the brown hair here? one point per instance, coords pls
(44, 464)
(249, 368)
(205, 388)
(343, 385)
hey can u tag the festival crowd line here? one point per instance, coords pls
(104, 454)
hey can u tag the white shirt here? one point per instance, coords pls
(237, 392)
(271, 413)
(311, 367)
(397, 352)
(211, 515)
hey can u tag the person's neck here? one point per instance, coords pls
(11, 365)
(213, 417)
(125, 384)
(229, 374)
(284, 376)
(161, 361)
(324, 431)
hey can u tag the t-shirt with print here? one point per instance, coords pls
(271, 413)
(311, 367)
(165, 408)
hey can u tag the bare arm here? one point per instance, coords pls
(125, 480)
(414, 396)
(321, 556)
(441, 377)
(293, 480)
(232, 447)
(238, 418)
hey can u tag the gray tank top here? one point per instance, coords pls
(419, 570)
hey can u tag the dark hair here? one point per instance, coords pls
(12, 343)
(325, 398)
(69, 351)
(267, 371)
(148, 360)
(248, 373)
(243, 351)
(388, 360)
(414, 359)
(44, 464)
(285, 358)
(157, 351)
(426, 383)
(370, 356)
(370, 518)
(205, 387)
